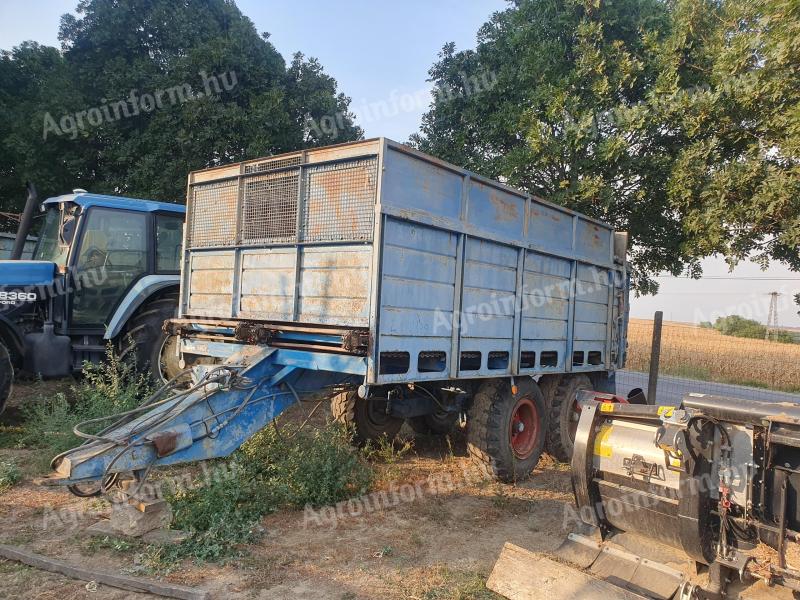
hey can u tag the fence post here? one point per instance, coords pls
(655, 358)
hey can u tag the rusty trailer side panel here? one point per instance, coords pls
(450, 274)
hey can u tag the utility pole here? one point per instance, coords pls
(772, 320)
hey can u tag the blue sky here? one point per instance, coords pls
(379, 51)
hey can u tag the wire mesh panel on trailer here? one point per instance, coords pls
(210, 222)
(340, 201)
(272, 164)
(269, 212)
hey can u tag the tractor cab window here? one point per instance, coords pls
(169, 238)
(55, 238)
(112, 255)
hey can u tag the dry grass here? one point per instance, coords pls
(706, 354)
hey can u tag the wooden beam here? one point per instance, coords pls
(522, 575)
(124, 582)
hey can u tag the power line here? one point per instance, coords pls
(726, 278)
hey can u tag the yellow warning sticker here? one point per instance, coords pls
(606, 407)
(665, 411)
(602, 447)
(675, 462)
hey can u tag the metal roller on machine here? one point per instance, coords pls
(714, 481)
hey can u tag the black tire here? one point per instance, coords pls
(549, 386)
(438, 423)
(145, 338)
(563, 416)
(490, 440)
(6, 376)
(92, 489)
(364, 418)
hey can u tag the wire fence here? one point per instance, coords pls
(703, 360)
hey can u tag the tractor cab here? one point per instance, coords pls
(99, 261)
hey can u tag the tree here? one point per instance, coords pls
(34, 81)
(728, 90)
(676, 121)
(149, 90)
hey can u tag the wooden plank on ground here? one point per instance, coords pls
(522, 575)
(124, 582)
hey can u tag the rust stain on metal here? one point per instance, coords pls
(505, 211)
(212, 261)
(596, 239)
(535, 213)
(213, 282)
(165, 442)
(336, 260)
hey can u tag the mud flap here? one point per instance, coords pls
(584, 568)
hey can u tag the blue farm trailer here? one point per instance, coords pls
(403, 287)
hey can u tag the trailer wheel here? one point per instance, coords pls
(506, 431)
(564, 416)
(438, 423)
(144, 336)
(6, 376)
(365, 418)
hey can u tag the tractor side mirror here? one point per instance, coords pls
(68, 230)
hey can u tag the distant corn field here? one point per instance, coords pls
(707, 355)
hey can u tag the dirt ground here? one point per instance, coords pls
(434, 534)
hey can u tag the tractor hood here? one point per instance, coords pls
(26, 272)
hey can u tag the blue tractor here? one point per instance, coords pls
(105, 269)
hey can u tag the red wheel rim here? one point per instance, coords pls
(524, 429)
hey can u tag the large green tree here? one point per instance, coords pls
(729, 91)
(150, 90)
(674, 120)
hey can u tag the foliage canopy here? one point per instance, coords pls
(678, 121)
(124, 50)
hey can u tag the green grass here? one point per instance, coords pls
(275, 469)
(387, 451)
(111, 543)
(10, 474)
(105, 389)
(10, 435)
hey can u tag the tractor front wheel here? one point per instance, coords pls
(6, 376)
(506, 431)
(144, 337)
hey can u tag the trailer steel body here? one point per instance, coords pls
(449, 274)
